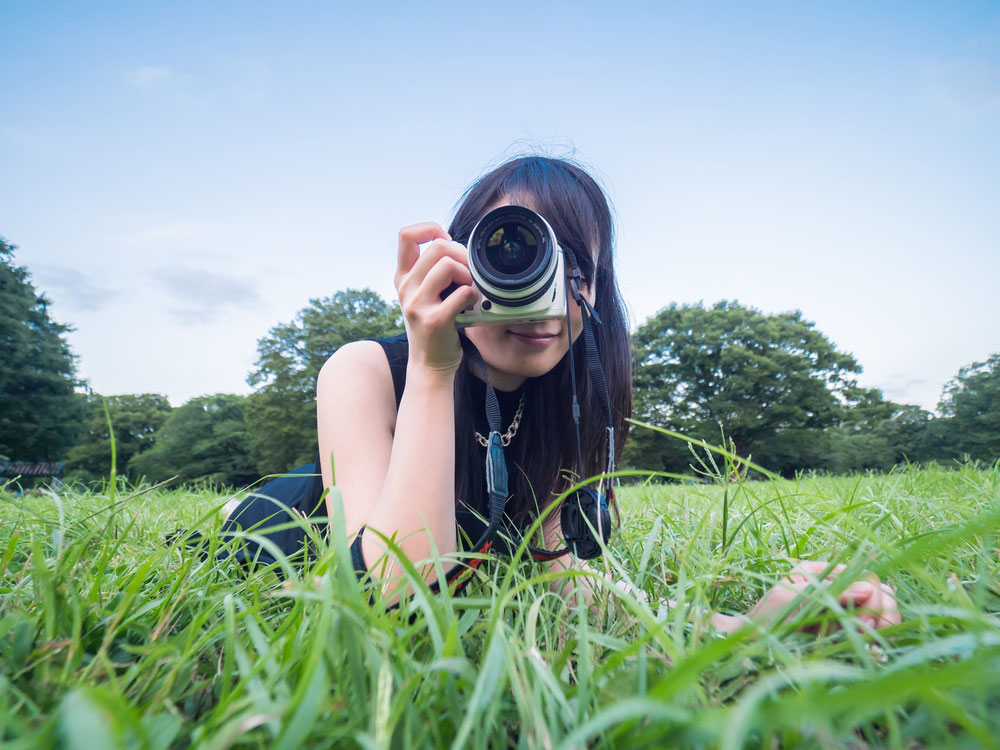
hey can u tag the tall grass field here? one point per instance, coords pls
(110, 637)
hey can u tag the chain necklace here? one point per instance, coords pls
(511, 431)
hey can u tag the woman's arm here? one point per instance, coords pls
(874, 602)
(396, 471)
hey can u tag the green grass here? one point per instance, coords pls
(110, 638)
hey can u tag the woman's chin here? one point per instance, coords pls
(529, 364)
(518, 356)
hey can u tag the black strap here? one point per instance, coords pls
(496, 464)
(593, 360)
(600, 384)
(597, 378)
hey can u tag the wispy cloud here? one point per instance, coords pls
(203, 295)
(904, 381)
(184, 240)
(146, 77)
(19, 136)
(73, 288)
(248, 80)
(175, 232)
(904, 388)
(968, 86)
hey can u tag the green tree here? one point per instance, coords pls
(206, 438)
(908, 431)
(282, 413)
(876, 433)
(39, 410)
(732, 368)
(136, 418)
(970, 406)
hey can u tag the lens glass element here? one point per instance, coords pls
(511, 248)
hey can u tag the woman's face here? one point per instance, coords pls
(525, 350)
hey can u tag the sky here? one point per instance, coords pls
(180, 178)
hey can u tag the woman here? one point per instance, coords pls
(402, 417)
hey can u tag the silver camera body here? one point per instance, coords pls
(518, 267)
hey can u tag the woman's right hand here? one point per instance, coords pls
(873, 602)
(420, 279)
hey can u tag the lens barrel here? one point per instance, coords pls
(512, 252)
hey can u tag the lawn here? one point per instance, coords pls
(111, 638)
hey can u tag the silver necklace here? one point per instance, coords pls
(511, 431)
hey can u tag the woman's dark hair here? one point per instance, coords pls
(578, 211)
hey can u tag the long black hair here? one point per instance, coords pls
(578, 211)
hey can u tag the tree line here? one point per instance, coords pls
(772, 384)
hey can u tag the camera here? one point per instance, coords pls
(518, 267)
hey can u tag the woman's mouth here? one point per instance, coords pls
(533, 338)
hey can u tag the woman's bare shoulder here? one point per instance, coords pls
(366, 356)
(357, 368)
(356, 420)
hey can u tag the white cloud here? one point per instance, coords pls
(968, 85)
(147, 76)
(181, 231)
(79, 290)
(248, 80)
(203, 294)
(18, 135)
(967, 88)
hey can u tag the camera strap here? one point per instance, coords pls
(577, 530)
(594, 368)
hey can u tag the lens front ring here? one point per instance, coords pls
(512, 276)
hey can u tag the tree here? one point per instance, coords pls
(136, 419)
(876, 433)
(970, 406)
(206, 438)
(282, 413)
(733, 368)
(39, 411)
(907, 431)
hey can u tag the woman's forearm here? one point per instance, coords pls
(419, 490)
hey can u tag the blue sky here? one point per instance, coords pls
(180, 179)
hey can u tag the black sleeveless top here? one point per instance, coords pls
(301, 490)
(397, 350)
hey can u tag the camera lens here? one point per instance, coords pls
(512, 256)
(511, 248)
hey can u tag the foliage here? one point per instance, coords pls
(39, 411)
(205, 439)
(282, 413)
(902, 435)
(971, 407)
(136, 418)
(734, 368)
(109, 638)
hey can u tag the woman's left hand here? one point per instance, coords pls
(873, 602)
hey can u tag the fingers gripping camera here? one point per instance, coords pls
(518, 266)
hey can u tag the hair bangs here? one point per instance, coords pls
(561, 192)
